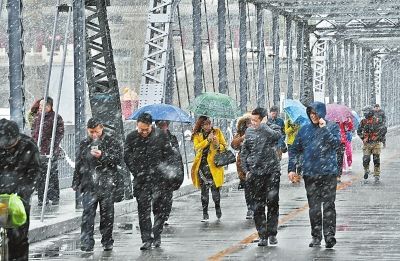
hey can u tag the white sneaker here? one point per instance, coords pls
(350, 168)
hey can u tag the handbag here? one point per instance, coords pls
(224, 158)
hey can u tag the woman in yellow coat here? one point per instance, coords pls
(205, 175)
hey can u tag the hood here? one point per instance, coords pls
(368, 111)
(319, 108)
(241, 124)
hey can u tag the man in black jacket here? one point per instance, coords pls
(147, 151)
(177, 173)
(19, 169)
(261, 164)
(95, 176)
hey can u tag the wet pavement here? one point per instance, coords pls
(368, 221)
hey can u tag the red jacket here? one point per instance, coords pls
(47, 131)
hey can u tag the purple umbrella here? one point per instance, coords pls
(338, 112)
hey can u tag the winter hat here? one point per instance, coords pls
(274, 108)
(368, 111)
(9, 133)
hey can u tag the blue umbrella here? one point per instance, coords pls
(357, 119)
(296, 111)
(164, 112)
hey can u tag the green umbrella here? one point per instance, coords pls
(215, 105)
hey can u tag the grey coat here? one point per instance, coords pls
(258, 153)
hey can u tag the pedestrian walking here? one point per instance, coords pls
(19, 169)
(148, 156)
(341, 150)
(318, 141)
(349, 129)
(207, 141)
(380, 114)
(371, 131)
(243, 123)
(33, 113)
(291, 130)
(274, 119)
(53, 193)
(177, 174)
(96, 175)
(261, 164)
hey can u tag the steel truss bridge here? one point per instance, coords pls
(343, 51)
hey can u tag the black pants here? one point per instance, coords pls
(247, 195)
(18, 245)
(53, 193)
(321, 190)
(299, 160)
(205, 189)
(150, 196)
(340, 155)
(264, 190)
(89, 202)
(168, 196)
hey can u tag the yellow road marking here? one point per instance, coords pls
(291, 215)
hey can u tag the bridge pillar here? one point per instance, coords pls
(260, 56)
(289, 56)
(276, 51)
(243, 87)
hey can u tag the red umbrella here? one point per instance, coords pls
(338, 112)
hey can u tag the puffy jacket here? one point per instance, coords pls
(149, 159)
(318, 145)
(47, 132)
(371, 129)
(278, 121)
(98, 175)
(20, 168)
(258, 153)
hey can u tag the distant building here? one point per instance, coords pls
(5, 113)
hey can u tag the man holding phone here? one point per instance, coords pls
(318, 141)
(95, 176)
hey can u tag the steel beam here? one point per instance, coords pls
(156, 52)
(197, 47)
(276, 51)
(300, 28)
(351, 75)
(243, 55)
(222, 72)
(261, 56)
(78, 7)
(330, 72)
(339, 72)
(377, 73)
(289, 56)
(358, 85)
(320, 57)
(308, 94)
(346, 79)
(16, 62)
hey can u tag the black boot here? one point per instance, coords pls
(205, 217)
(146, 245)
(330, 242)
(263, 242)
(315, 242)
(273, 240)
(218, 211)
